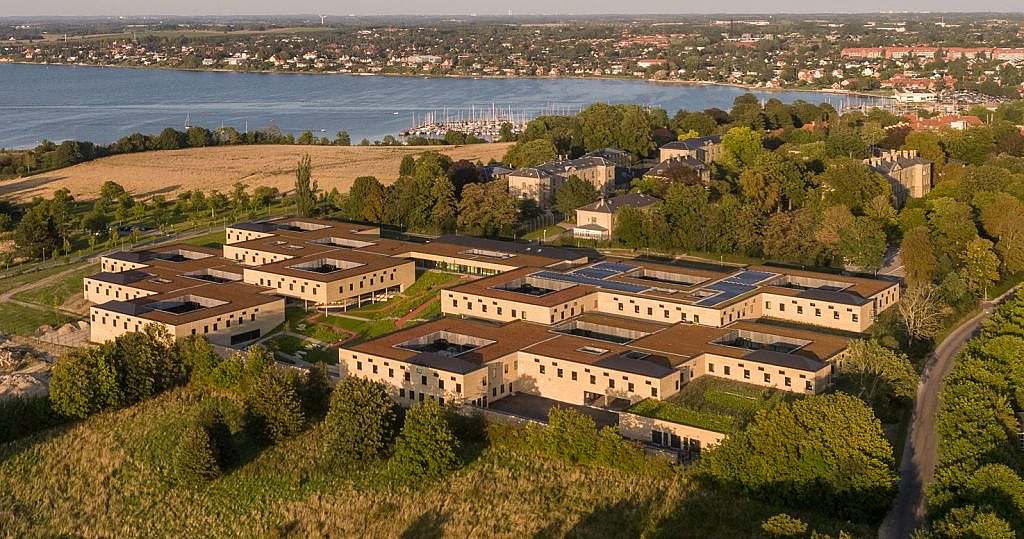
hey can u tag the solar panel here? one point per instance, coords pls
(595, 273)
(600, 283)
(726, 291)
(749, 277)
(617, 267)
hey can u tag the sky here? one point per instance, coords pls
(482, 7)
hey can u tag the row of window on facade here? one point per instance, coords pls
(787, 381)
(817, 310)
(630, 386)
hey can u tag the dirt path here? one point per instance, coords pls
(917, 466)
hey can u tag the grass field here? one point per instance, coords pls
(56, 293)
(712, 403)
(105, 477)
(170, 172)
(213, 239)
(20, 320)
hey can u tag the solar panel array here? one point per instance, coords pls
(576, 278)
(734, 286)
(617, 267)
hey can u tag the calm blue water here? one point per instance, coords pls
(102, 104)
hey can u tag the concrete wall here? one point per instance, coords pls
(752, 372)
(335, 292)
(237, 235)
(254, 257)
(554, 379)
(457, 303)
(101, 292)
(641, 428)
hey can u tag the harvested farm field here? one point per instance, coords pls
(171, 171)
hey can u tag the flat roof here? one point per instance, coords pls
(507, 339)
(232, 297)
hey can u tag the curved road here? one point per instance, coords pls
(917, 466)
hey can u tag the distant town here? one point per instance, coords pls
(858, 53)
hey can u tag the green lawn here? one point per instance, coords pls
(539, 234)
(425, 288)
(213, 239)
(712, 403)
(56, 293)
(20, 320)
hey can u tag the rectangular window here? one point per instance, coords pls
(542, 369)
(726, 369)
(559, 373)
(711, 367)
(593, 379)
(767, 377)
(458, 388)
(788, 381)
(746, 374)
(359, 365)
(799, 309)
(630, 387)
(808, 386)
(573, 375)
(611, 383)
(654, 392)
(855, 317)
(423, 380)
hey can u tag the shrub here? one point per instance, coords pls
(361, 421)
(194, 460)
(21, 416)
(426, 446)
(783, 525)
(570, 435)
(132, 368)
(316, 392)
(274, 404)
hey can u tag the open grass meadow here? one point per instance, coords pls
(107, 477)
(54, 294)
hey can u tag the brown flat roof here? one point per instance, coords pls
(487, 286)
(237, 296)
(508, 338)
(367, 263)
(693, 340)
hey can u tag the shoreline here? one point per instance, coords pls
(666, 82)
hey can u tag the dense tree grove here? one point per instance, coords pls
(978, 489)
(825, 452)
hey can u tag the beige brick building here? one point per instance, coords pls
(597, 221)
(704, 149)
(540, 183)
(909, 175)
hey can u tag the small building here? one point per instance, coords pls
(597, 221)
(909, 174)
(706, 149)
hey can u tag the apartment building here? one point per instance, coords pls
(597, 221)
(671, 293)
(540, 183)
(704, 149)
(909, 175)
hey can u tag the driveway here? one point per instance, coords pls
(917, 467)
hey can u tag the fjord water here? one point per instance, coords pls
(103, 104)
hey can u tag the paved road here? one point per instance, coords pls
(917, 466)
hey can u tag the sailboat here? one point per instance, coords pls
(188, 120)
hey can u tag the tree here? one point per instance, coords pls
(275, 405)
(426, 448)
(170, 139)
(444, 213)
(36, 235)
(305, 189)
(789, 236)
(631, 227)
(365, 201)
(970, 523)
(918, 256)
(741, 146)
(361, 421)
(771, 181)
(342, 139)
(922, 311)
(193, 459)
(826, 452)
(573, 194)
(407, 165)
(980, 267)
(879, 376)
(531, 153)
(783, 525)
(486, 209)
(863, 244)
(850, 183)
(834, 220)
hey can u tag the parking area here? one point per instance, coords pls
(537, 408)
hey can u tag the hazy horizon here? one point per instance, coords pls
(76, 8)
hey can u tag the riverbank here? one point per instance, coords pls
(681, 82)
